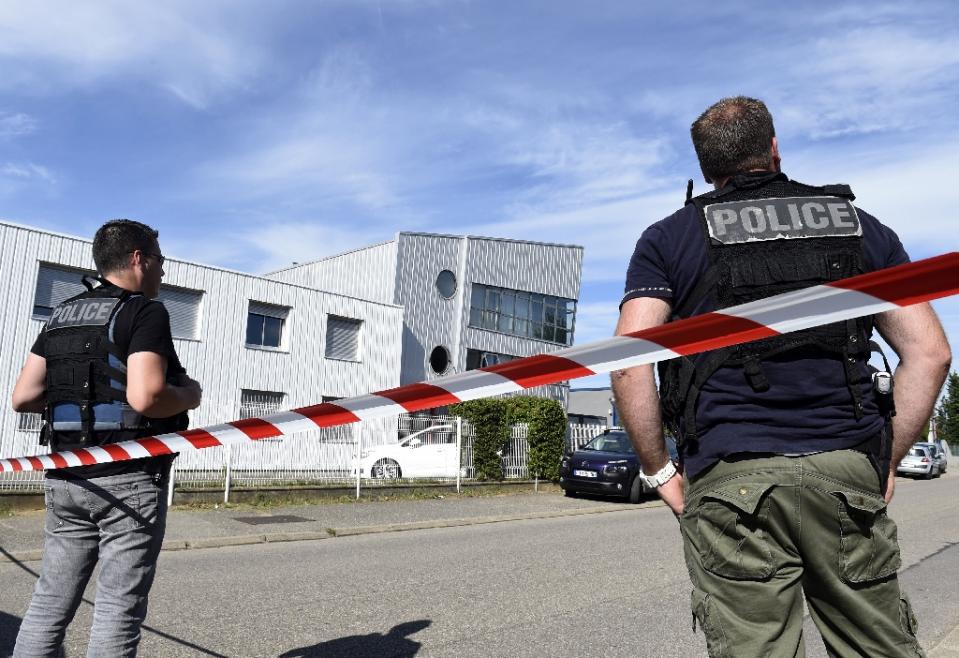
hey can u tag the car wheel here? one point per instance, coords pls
(386, 469)
(636, 491)
(569, 493)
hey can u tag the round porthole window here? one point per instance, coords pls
(439, 359)
(446, 283)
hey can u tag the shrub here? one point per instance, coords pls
(490, 420)
(546, 435)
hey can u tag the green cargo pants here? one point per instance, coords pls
(759, 532)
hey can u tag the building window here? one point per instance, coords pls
(256, 404)
(520, 313)
(440, 359)
(183, 305)
(264, 325)
(29, 422)
(55, 285)
(483, 359)
(342, 338)
(446, 283)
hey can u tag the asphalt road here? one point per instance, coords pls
(597, 585)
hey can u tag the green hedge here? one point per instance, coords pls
(547, 433)
(492, 420)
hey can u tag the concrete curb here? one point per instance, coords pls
(34, 555)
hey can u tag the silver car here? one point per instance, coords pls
(946, 452)
(938, 456)
(919, 461)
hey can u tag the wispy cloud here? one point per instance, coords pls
(16, 124)
(47, 48)
(18, 177)
(25, 171)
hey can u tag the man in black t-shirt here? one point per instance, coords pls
(104, 370)
(783, 434)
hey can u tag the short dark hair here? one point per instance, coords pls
(733, 136)
(116, 239)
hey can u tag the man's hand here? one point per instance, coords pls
(149, 392)
(890, 486)
(673, 494)
(192, 391)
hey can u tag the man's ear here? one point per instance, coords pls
(774, 152)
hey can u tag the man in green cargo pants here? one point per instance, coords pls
(788, 444)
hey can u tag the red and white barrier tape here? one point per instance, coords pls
(876, 292)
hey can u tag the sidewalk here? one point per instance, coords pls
(21, 535)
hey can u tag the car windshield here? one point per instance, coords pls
(610, 443)
(917, 452)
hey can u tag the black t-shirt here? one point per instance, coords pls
(808, 406)
(141, 325)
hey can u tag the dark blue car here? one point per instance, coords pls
(607, 466)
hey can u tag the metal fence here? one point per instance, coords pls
(410, 448)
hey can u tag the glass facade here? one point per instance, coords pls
(520, 313)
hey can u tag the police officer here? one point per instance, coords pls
(104, 370)
(788, 447)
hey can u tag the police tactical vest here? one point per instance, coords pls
(767, 235)
(86, 373)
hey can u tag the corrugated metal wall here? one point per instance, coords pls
(431, 319)
(219, 360)
(534, 267)
(367, 273)
(549, 269)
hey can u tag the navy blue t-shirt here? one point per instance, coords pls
(808, 406)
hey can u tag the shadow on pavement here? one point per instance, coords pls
(395, 643)
(9, 630)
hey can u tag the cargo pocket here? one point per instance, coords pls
(705, 615)
(909, 623)
(729, 531)
(868, 548)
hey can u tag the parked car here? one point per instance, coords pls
(919, 461)
(607, 465)
(429, 453)
(938, 456)
(946, 452)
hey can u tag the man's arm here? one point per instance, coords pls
(148, 391)
(638, 400)
(917, 337)
(29, 393)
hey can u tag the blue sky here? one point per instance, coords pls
(256, 134)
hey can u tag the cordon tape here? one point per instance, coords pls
(875, 292)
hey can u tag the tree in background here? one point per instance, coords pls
(947, 415)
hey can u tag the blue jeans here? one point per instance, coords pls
(118, 520)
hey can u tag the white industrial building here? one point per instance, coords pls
(415, 308)
(469, 302)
